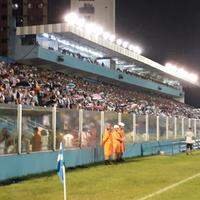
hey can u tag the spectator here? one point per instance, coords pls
(189, 141)
(32, 86)
(6, 142)
(122, 134)
(68, 140)
(37, 140)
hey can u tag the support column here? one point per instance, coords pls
(175, 127)
(167, 128)
(189, 123)
(147, 128)
(80, 127)
(134, 128)
(157, 128)
(54, 109)
(183, 127)
(195, 128)
(102, 125)
(119, 117)
(19, 128)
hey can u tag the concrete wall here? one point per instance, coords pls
(12, 166)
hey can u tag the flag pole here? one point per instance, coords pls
(64, 183)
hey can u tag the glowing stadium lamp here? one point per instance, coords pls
(119, 42)
(89, 28)
(81, 22)
(182, 73)
(15, 6)
(131, 47)
(125, 44)
(98, 30)
(168, 65)
(171, 68)
(112, 38)
(106, 35)
(137, 49)
(174, 68)
(71, 18)
(193, 77)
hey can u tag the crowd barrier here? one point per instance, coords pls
(80, 128)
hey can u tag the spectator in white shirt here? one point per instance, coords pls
(189, 141)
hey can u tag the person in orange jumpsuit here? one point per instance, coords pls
(122, 134)
(117, 140)
(107, 143)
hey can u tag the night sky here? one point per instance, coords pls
(168, 30)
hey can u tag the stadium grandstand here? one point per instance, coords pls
(98, 66)
(69, 80)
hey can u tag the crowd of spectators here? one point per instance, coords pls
(78, 56)
(151, 77)
(147, 76)
(32, 86)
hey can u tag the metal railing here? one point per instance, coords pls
(80, 128)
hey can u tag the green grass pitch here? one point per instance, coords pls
(132, 180)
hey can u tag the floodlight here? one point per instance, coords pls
(193, 77)
(119, 42)
(125, 44)
(137, 49)
(106, 35)
(182, 73)
(112, 38)
(81, 22)
(131, 47)
(71, 18)
(171, 68)
(15, 6)
(98, 30)
(168, 65)
(89, 28)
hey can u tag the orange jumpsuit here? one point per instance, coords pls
(117, 140)
(122, 145)
(108, 143)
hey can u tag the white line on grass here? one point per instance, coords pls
(169, 187)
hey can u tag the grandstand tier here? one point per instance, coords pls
(63, 47)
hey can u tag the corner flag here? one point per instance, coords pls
(60, 163)
(61, 169)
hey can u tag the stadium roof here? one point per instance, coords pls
(109, 47)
